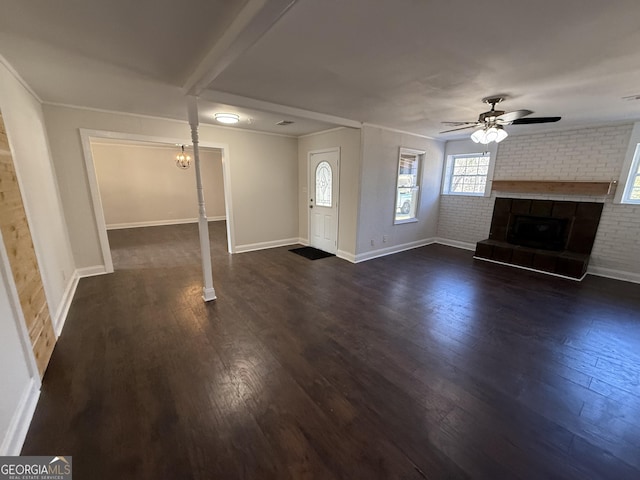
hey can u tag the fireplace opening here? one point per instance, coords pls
(538, 232)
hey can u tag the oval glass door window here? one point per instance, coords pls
(323, 184)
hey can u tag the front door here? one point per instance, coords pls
(323, 199)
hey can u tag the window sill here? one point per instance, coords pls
(408, 220)
(464, 195)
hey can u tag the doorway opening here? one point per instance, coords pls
(135, 184)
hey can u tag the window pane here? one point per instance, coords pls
(468, 174)
(323, 184)
(635, 194)
(406, 200)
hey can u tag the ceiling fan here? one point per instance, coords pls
(490, 125)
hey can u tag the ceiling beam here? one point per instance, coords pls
(252, 103)
(254, 20)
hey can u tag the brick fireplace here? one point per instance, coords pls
(544, 235)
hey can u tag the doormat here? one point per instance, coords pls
(311, 253)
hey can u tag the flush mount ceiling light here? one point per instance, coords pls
(228, 118)
(183, 160)
(488, 134)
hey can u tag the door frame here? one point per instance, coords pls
(311, 188)
(87, 135)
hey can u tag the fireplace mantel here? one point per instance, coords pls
(555, 187)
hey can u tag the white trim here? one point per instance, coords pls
(614, 274)
(19, 425)
(456, 244)
(530, 269)
(303, 241)
(322, 132)
(91, 271)
(65, 303)
(208, 294)
(382, 252)
(21, 80)
(252, 247)
(159, 223)
(404, 132)
(349, 257)
(6, 276)
(630, 165)
(246, 102)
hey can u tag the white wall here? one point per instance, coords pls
(378, 192)
(588, 154)
(263, 170)
(24, 122)
(348, 140)
(141, 185)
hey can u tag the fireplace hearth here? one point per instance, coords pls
(545, 235)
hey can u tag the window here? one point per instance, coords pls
(467, 174)
(323, 184)
(408, 186)
(632, 187)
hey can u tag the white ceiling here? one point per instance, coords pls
(405, 64)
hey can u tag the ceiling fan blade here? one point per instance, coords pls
(525, 121)
(461, 128)
(453, 124)
(509, 117)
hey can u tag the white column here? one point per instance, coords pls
(208, 292)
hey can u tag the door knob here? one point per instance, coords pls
(310, 206)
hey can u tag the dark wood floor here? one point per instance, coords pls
(424, 364)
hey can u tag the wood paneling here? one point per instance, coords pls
(559, 188)
(22, 258)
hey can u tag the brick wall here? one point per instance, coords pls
(587, 154)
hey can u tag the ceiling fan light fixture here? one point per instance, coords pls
(478, 136)
(227, 118)
(502, 134)
(485, 135)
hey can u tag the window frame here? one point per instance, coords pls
(630, 170)
(447, 177)
(416, 188)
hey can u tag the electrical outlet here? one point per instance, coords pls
(385, 238)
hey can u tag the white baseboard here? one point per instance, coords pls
(303, 241)
(382, 252)
(456, 243)
(349, 257)
(159, 223)
(615, 274)
(251, 247)
(63, 309)
(19, 426)
(91, 271)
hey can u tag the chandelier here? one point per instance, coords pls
(183, 160)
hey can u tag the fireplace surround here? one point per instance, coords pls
(550, 236)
